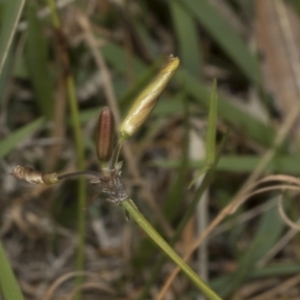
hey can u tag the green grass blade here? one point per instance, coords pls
(241, 163)
(8, 283)
(225, 36)
(11, 11)
(210, 145)
(266, 237)
(188, 44)
(212, 127)
(174, 197)
(276, 269)
(190, 210)
(227, 111)
(230, 113)
(5, 75)
(37, 62)
(117, 57)
(153, 234)
(173, 201)
(146, 42)
(268, 232)
(10, 142)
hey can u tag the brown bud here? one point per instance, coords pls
(146, 101)
(32, 176)
(105, 135)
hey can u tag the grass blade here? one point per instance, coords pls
(173, 202)
(210, 153)
(11, 11)
(6, 74)
(262, 242)
(37, 61)
(240, 119)
(241, 163)
(8, 283)
(226, 37)
(14, 138)
(152, 233)
(212, 127)
(189, 46)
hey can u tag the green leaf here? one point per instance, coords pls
(238, 118)
(9, 143)
(175, 195)
(117, 57)
(212, 127)
(225, 36)
(37, 61)
(8, 283)
(268, 232)
(188, 44)
(10, 11)
(168, 250)
(242, 163)
(210, 157)
(276, 269)
(5, 75)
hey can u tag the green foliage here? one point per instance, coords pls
(133, 43)
(225, 36)
(10, 14)
(268, 232)
(9, 143)
(189, 44)
(8, 283)
(37, 62)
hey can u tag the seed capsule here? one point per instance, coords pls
(146, 101)
(32, 176)
(105, 135)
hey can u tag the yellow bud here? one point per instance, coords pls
(146, 101)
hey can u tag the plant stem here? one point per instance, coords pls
(186, 217)
(154, 235)
(73, 104)
(80, 165)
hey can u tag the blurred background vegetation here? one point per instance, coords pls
(111, 49)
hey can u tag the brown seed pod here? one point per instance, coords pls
(105, 135)
(32, 176)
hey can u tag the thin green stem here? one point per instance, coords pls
(154, 235)
(116, 153)
(54, 15)
(80, 164)
(73, 104)
(187, 216)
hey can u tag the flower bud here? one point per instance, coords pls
(146, 101)
(105, 135)
(32, 176)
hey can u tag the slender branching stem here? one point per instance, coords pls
(77, 174)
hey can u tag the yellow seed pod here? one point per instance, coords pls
(146, 101)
